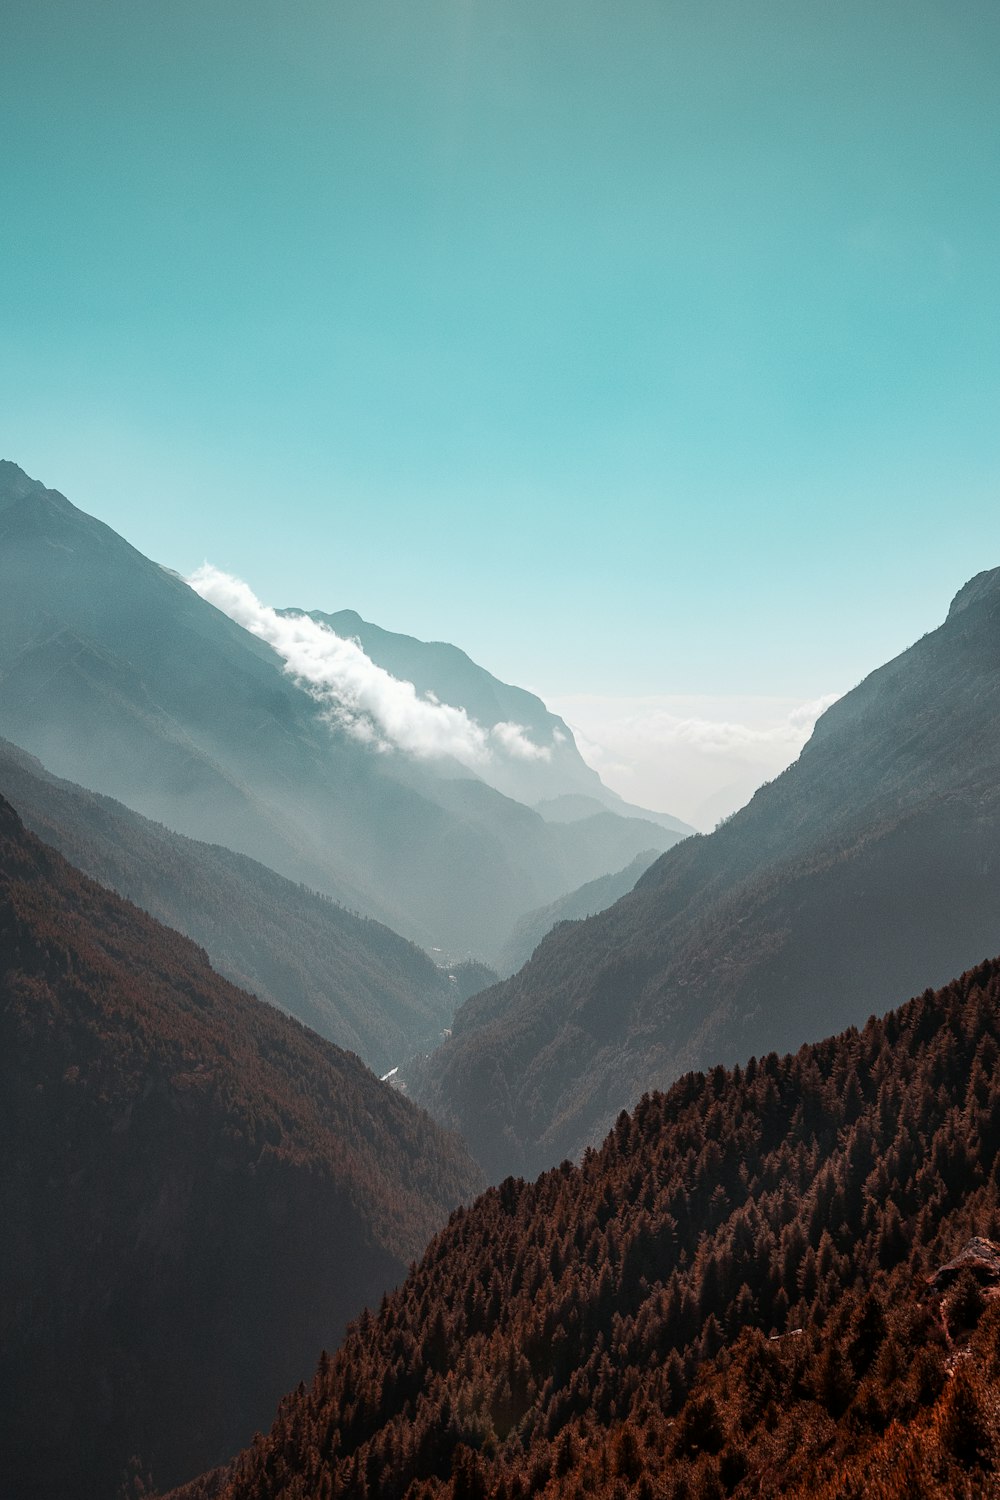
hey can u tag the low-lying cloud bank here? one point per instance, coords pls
(358, 696)
(699, 758)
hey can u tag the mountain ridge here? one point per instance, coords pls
(576, 906)
(121, 678)
(356, 982)
(192, 1186)
(862, 869)
(446, 673)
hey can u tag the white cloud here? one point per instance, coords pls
(356, 694)
(654, 724)
(513, 740)
(698, 757)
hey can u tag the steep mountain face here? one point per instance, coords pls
(194, 1190)
(596, 895)
(772, 1281)
(438, 668)
(866, 869)
(119, 677)
(564, 787)
(354, 981)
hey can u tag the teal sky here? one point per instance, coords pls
(638, 348)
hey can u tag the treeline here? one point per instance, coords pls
(730, 1297)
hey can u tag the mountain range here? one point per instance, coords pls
(752, 1273)
(596, 895)
(119, 677)
(865, 871)
(562, 786)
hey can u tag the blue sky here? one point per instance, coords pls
(643, 349)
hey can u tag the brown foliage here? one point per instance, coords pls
(194, 1189)
(730, 1297)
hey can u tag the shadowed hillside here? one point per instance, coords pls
(865, 870)
(597, 895)
(194, 1190)
(349, 978)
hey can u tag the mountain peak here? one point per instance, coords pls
(15, 484)
(982, 586)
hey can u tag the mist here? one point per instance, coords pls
(357, 695)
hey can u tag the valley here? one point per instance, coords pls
(499, 750)
(706, 1264)
(864, 872)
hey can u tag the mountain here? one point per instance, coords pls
(866, 869)
(563, 787)
(351, 979)
(779, 1280)
(194, 1190)
(570, 807)
(118, 676)
(596, 895)
(446, 672)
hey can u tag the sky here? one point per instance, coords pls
(648, 351)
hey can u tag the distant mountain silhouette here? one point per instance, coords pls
(194, 1190)
(597, 895)
(865, 870)
(119, 677)
(778, 1280)
(570, 807)
(564, 782)
(351, 979)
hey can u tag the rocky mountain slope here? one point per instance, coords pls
(778, 1280)
(866, 869)
(194, 1190)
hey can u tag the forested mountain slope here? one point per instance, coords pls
(118, 676)
(747, 1291)
(351, 979)
(867, 869)
(194, 1190)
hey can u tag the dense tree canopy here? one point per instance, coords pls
(730, 1297)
